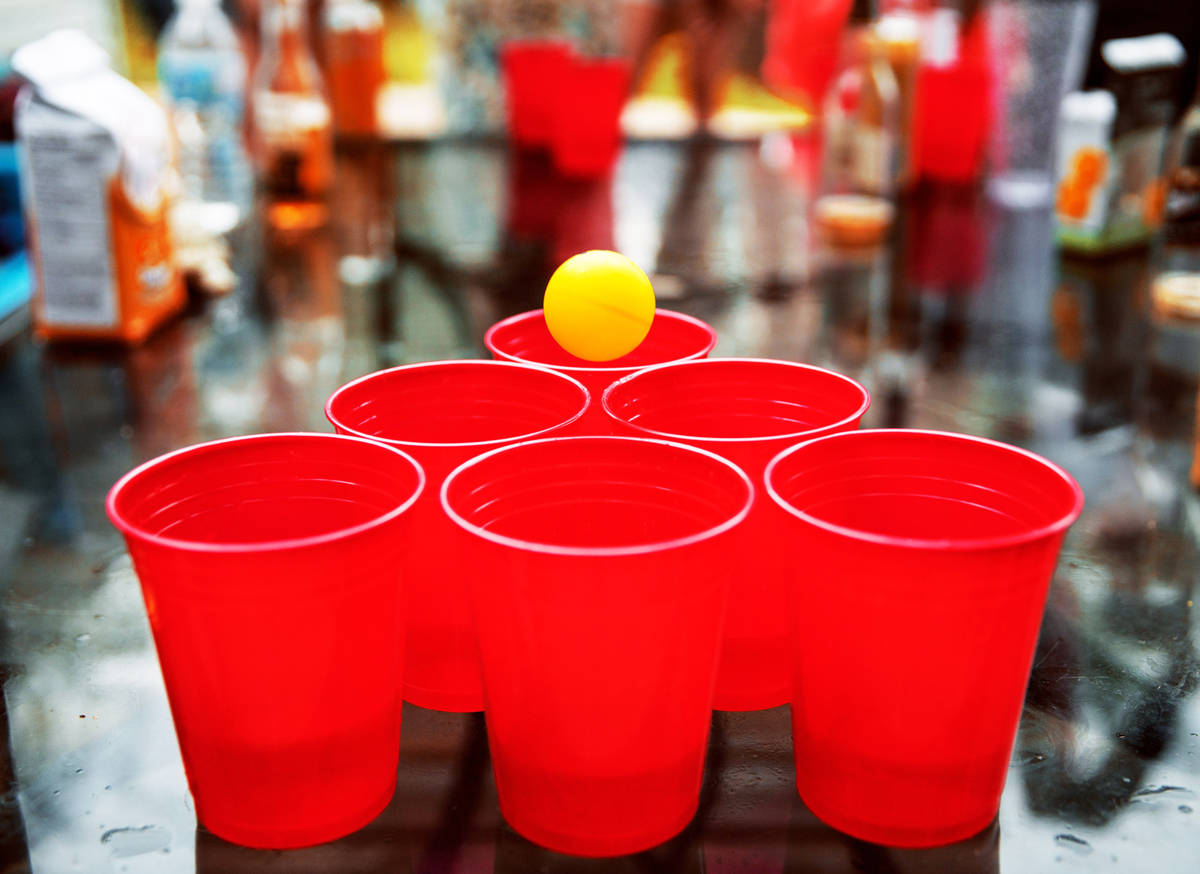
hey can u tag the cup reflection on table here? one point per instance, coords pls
(815, 848)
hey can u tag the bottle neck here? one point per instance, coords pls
(286, 60)
(861, 13)
(283, 21)
(858, 48)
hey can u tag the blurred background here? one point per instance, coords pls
(200, 118)
(215, 212)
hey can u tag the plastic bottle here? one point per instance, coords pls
(203, 76)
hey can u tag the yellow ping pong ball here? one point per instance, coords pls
(599, 305)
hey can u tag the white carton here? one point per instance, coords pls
(95, 167)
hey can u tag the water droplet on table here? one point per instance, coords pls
(1071, 842)
(136, 840)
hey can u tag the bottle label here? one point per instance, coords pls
(873, 166)
(861, 154)
(288, 119)
(206, 81)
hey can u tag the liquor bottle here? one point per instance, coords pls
(860, 123)
(353, 42)
(292, 124)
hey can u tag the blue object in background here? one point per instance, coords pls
(16, 284)
(12, 224)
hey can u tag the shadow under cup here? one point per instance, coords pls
(269, 567)
(920, 566)
(672, 337)
(745, 410)
(442, 413)
(599, 572)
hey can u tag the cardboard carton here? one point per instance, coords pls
(95, 169)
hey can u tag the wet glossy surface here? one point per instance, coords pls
(968, 322)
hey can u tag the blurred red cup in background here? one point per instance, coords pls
(802, 43)
(586, 138)
(535, 73)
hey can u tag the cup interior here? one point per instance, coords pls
(672, 337)
(597, 494)
(263, 491)
(730, 399)
(921, 488)
(454, 402)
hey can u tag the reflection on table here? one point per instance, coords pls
(965, 320)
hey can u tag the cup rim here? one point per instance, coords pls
(553, 42)
(456, 363)
(957, 544)
(791, 435)
(520, 318)
(597, 551)
(132, 529)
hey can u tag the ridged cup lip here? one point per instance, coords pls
(132, 529)
(597, 551)
(1060, 524)
(447, 364)
(717, 362)
(520, 318)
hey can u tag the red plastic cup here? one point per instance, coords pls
(802, 40)
(920, 563)
(269, 570)
(586, 137)
(534, 74)
(672, 337)
(746, 410)
(442, 413)
(599, 568)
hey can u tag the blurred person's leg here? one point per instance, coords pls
(714, 30)
(643, 24)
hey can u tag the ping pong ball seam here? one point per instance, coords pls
(574, 321)
(610, 307)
